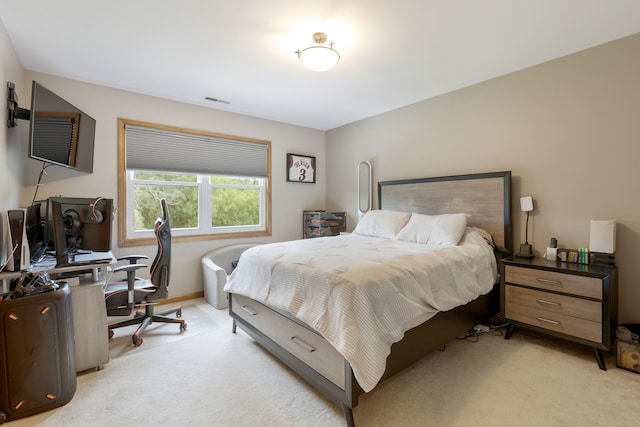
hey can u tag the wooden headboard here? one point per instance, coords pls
(485, 197)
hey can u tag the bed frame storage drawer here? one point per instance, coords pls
(308, 346)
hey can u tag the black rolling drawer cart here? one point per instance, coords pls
(577, 302)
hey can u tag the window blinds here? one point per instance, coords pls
(165, 150)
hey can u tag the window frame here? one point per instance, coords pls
(128, 237)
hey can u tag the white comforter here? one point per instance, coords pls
(363, 293)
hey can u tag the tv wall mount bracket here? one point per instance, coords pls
(14, 112)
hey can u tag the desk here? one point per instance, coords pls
(89, 310)
(48, 264)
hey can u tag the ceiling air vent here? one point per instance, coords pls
(221, 101)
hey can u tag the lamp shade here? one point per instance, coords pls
(602, 236)
(526, 204)
(319, 57)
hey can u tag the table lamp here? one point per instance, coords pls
(526, 205)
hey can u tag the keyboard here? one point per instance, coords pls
(90, 258)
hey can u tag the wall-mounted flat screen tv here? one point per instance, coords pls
(60, 133)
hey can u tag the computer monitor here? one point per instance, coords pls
(80, 224)
(35, 226)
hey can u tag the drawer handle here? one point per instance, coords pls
(249, 310)
(303, 344)
(542, 319)
(541, 301)
(549, 282)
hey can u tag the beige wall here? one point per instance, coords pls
(107, 105)
(10, 138)
(568, 130)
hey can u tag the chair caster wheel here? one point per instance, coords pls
(137, 341)
(111, 333)
(179, 313)
(183, 326)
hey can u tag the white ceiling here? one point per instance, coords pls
(393, 53)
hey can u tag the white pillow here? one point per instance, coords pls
(382, 223)
(445, 229)
(448, 229)
(418, 229)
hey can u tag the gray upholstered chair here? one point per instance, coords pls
(217, 265)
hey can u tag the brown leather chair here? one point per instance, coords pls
(123, 296)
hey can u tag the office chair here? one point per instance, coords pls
(123, 296)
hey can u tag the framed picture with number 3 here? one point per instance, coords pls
(301, 168)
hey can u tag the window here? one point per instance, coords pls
(216, 185)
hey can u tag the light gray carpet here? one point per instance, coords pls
(208, 376)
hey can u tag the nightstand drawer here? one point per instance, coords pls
(586, 329)
(555, 303)
(567, 283)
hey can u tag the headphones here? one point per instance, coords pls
(96, 216)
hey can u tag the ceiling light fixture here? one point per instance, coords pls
(319, 57)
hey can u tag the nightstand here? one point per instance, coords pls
(323, 223)
(576, 302)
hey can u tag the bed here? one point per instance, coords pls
(277, 292)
